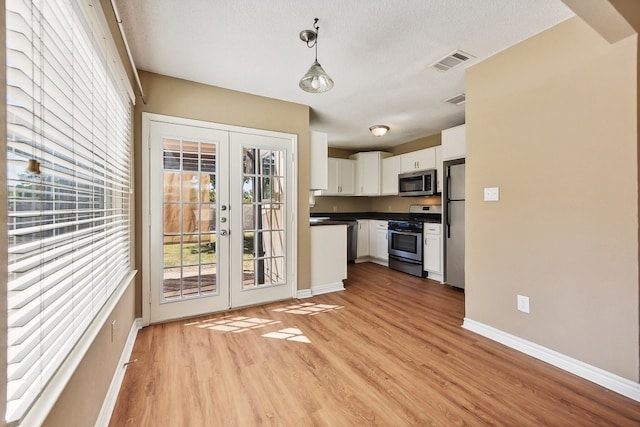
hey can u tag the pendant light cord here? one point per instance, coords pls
(317, 28)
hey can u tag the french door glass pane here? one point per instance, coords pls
(189, 219)
(263, 217)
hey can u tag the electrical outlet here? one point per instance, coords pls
(335, 208)
(389, 208)
(523, 303)
(491, 194)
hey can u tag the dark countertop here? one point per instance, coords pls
(328, 222)
(384, 216)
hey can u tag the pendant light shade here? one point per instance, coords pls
(316, 80)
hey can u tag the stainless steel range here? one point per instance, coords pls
(405, 240)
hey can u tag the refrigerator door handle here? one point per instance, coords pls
(448, 199)
(448, 220)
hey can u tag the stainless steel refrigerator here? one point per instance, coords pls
(454, 222)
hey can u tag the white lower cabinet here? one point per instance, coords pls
(372, 241)
(432, 251)
(363, 239)
(380, 252)
(328, 258)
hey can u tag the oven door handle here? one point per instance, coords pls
(405, 233)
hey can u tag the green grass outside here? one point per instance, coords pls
(206, 254)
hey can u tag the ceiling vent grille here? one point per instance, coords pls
(452, 60)
(457, 99)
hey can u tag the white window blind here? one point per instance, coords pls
(69, 226)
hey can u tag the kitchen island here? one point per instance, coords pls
(328, 256)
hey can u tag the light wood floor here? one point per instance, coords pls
(388, 351)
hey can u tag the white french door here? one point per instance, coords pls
(260, 232)
(219, 219)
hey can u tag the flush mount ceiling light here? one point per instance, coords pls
(379, 130)
(316, 80)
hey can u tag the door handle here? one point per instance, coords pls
(223, 232)
(223, 207)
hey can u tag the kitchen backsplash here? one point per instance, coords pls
(370, 204)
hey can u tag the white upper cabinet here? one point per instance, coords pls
(318, 166)
(368, 172)
(418, 160)
(454, 143)
(340, 178)
(375, 173)
(390, 171)
(439, 168)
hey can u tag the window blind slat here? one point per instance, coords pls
(69, 227)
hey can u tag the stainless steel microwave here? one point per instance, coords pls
(418, 183)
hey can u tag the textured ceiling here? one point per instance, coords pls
(378, 53)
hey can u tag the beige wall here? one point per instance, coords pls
(556, 129)
(418, 144)
(401, 204)
(341, 204)
(340, 153)
(81, 401)
(181, 98)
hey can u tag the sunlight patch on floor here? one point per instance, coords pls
(309, 308)
(234, 324)
(289, 334)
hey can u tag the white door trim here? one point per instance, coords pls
(147, 119)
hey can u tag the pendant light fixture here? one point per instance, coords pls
(316, 80)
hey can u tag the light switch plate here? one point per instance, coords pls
(523, 303)
(491, 194)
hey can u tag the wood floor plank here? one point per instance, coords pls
(388, 351)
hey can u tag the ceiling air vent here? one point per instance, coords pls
(452, 60)
(457, 100)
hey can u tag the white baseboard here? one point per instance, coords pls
(304, 293)
(435, 276)
(114, 388)
(329, 287)
(594, 374)
(379, 261)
